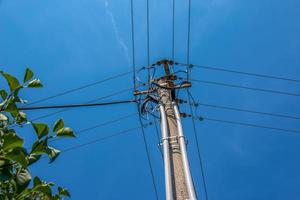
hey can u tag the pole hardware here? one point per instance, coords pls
(162, 91)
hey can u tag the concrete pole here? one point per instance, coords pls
(186, 166)
(177, 169)
(166, 154)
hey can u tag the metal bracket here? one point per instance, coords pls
(175, 140)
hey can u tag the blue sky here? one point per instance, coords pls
(71, 43)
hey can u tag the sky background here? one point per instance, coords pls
(74, 42)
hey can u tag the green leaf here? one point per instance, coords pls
(21, 118)
(36, 181)
(22, 114)
(19, 100)
(36, 83)
(59, 124)
(2, 162)
(41, 129)
(3, 117)
(39, 147)
(44, 189)
(65, 132)
(28, 75)
(18, 155)
(32, 158)
(5, 173)
(23, 177)
(52, 153)
(63, 192)
(12, 81)
(56, 197)
(11, 141)
(3, 94)
(12, 108)
(3, 177)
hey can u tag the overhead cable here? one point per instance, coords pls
(77, 105)
(133, 43)
(80, 88)
(173, 32)
(148, 40)
(91, 101)
(247, 110)
(135, 87)
(197, 144)
(245, 87)
(189, 33)
(241, 72)
(103, 138)
(248, 124)
(97, 140)
(99, 125)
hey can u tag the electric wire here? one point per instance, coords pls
(148, 41)
(173, 33)
(247, 110)
(77, 105)
(91, 101)
(149, 78)
(135, 86)
(248, 73)
(98, 125)
(197, 146)
(80, 88)
(103, 138)
(248, 124)
(242, 72)
(148, 155)
(190, 98)
(133, 44)
(189, 33)
(93, 141)
(245, 87)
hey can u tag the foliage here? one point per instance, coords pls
(15, 179)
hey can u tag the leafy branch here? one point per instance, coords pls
(15, 159)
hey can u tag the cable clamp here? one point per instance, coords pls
(184, 115)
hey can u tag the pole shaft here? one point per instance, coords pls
(185, 161)
(178, 175)
(166, 154)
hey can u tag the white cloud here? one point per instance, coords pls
(116, 31)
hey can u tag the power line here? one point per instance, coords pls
(248, 110)
(139, 114)
(102, 138)
(135, 87)
(242, 72)
(189, 33)
(98, 140)
(148, 41)
(248, 124)
(80, 88)
(148, 154)
(91, 101)
(173, 32)
(133, 44)
(245, 87)
(100, 125)
(77, 105)
(190, 98)
(197, 145)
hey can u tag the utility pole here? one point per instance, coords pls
(178, 180)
